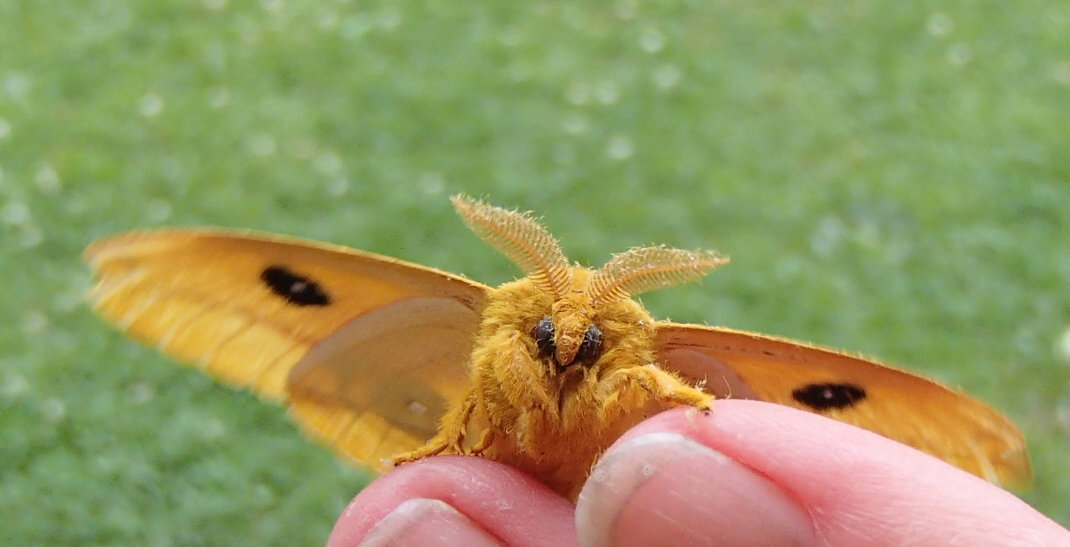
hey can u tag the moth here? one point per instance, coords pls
(389, 361)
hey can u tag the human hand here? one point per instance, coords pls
(749, 473)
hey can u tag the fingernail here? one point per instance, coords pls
(664, 487)
(422, 521)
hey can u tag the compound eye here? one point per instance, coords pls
(591, 346)
(544, 337)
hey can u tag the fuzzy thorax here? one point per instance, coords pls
(547, 414)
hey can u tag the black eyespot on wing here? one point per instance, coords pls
(826, 396)
(296, 289)
(591, 346)
(544, 337)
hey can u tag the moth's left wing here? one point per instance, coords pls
(894, 403)
(367, 350)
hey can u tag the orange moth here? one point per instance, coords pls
(390, 362)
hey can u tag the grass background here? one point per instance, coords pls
(889, 177)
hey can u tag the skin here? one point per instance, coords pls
(749, 473)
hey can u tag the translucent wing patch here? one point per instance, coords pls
(372, 391)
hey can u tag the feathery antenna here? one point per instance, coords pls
(643, 269)
(521, 239)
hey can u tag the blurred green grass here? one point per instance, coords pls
(890, 178)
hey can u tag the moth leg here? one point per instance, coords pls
(664, 386)
(670, 388)
(450, 436)
(484, 443)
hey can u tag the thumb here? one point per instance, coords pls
(753, 473)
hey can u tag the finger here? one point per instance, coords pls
(454, 500)
(764, 473)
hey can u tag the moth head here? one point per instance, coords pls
(574, 320)
(569, 331)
